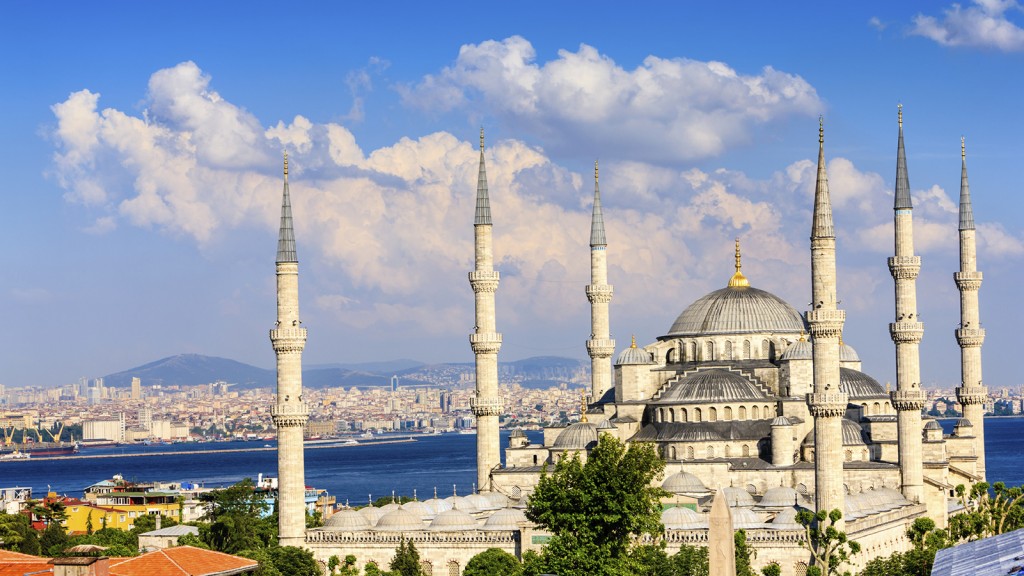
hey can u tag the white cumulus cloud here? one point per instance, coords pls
(985, 25)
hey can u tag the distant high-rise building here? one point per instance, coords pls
(394, 383)
(136, 389)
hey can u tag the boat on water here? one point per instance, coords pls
(467, 431)
(40, 449)
(350, 442)
(16, 455)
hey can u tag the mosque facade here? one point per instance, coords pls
(743, 393)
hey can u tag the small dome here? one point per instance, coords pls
(680, 518)
(781, 421)
(853, 434)
(714, 385)
(505, 519)
(348, 520)
(963, 422)
(932, 425)
(372, 514)
(634, 355)
(497, 500)
(684, 483)
(606, 425)
(400, 521)
(452, 521)
(859, 385)
(737, 497)
(420, 509)
(737, 310)
(799, 350)
(390, 507)
(436, 505)
(847, 353)
(464, 504)
(578, 436)
(745, 518)
(517, 433)
(481, 503)
(786, 520)
(780, 497)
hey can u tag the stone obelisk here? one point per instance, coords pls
(721, 545)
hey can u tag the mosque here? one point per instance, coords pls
(743, 393)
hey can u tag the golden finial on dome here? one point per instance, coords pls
(633, 344)
(583, 408)
(803, 336)
(738, 280)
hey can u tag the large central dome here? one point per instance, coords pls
(737, 310)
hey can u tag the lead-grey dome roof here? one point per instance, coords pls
(684, 483)
(847, 353)
(505, 519)
(853, 434)
(737, 310)
(859, 385)
(714, 385)
(579, 436)
(453, 521)
(634, 355)
(799, 350)
(350, 520)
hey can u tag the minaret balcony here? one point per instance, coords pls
(290, 339)
(600, 348)
(484, 280)
(904, 267)
(827, 404)
(970, 337)
(968, 281)
(907, 400)
(906, 332)
(485, 342)
(485, 406)
(968, 395)
(289, 414)
(599, 293)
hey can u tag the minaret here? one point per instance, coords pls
(599, 292)
(906, 332)
(827, 403)
(289, 413)
(971, 393)
(485, 340)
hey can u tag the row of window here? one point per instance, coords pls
(427, 567)
(670, 452)
(697, 414)
(709, 351)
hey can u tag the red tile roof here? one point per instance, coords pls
(17, 564)
(183, 561)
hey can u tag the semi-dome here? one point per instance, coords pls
(714, 385)
(859, 385)
(847, 353)
(737, 310)
(505, 519)
(799, 350)
(436, 505)
(419, 508)
(578, 436)
(634, 356)
(349, 520)
(400, 521)
(684, 483)
(786, 520)
(680, 518)
(480, 502)
(745, 518)
(452, 521)
(737, 497)
(497, 500)
(853, 434)
(464, 504)
(780, 497)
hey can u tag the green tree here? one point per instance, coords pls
(293, 561)
(88, 523)
(830, 548)
(772, 569)
(53, 540)
(238, 519)
(192, 540)
(117, 542)
(596, 510)
(691, 561)
(743, 554)
(147, 523)
(987, 512)
(493, 561)
(406, 561)
(917, 561)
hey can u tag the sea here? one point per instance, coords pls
(357, 473)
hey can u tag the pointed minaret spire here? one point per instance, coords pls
(827, 403)
(972, 392)
(966, 213)
(597, 237)
(902, 181)
(738, 280)
(483, 201)
(600, 346)
(821, 226)
(286, 237)
(906, 333)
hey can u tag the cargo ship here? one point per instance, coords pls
(41, 449)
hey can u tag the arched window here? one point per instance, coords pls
(864, 409)
(728, 350)
(743, 412)
(849, 455)
(728, 413)
(670, 356)
(657, 414)
(692, 356)
(673, 452)
(710, 355)
(427, 568)
(689, 452)
(800, 569)
(765, 349)
(711, 451)
(453, 568)
(746, 451)
(712, 414)
(756, 413)
(671, 414)
(696, 415)
(746, 350)
(878, 408)
(767, 413)
(728, 452)
(682, 415)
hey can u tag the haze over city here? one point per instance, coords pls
(141, 152)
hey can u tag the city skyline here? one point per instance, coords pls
(142, 154)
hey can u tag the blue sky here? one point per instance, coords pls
(140, 147)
